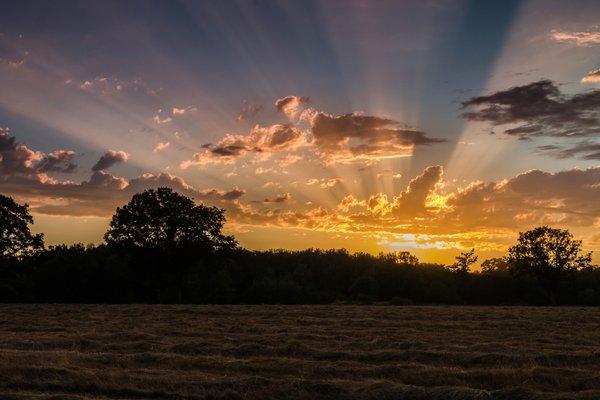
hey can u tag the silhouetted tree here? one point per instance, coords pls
(497, 265)
(16, 240)
(400, 257)
(548, 254)
(464, 261)
(164, 219)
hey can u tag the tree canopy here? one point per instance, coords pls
(16, 240)
(463, 261)
(545, 249)
(548, 254)
(163, 219)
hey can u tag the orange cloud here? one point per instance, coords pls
(591, 77)
(160, 147)
(261, 140)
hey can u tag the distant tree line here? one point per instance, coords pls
(163, 248)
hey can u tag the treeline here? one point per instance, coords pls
(162, 248)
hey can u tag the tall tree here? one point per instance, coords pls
(463, 261)
(16, 240)
(549, 255)
(164, 219)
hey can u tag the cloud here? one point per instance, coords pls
(427, 207)
(349, 137)
(147, 181)
(160, 147)
(288, 160)
(282, 198)
(271, 184)
(249, 111)
(591, 77)
(102, 179)
(110, 158)
(261, 170)
(586, 150)
(292, 106)
(23, 175)
(348, 202)
(16, 158)
(538, 109)
(412, 202)
(162, 121)
(583, 39)
(324, 183)
(432, 212)
(344, 138)
(261, 140)
(180, 111)
(110, 85)
(58, 161)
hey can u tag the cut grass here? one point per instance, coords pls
(298, 352)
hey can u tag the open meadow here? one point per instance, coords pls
(298, 352)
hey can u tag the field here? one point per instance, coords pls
(298, 352)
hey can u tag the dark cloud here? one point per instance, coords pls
(58, 161)
(147, 181)
(233, 194)
(104, 180)
(350, 136)
(289, 101)
(229, 150)
(584, 150)
(282, 198)
(540, 109)
(292, 106)
(16, 158)
(110, 158)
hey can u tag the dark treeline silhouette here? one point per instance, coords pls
(163, 248)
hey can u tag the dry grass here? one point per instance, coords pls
(298, 352)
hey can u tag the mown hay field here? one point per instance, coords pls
(298, 352)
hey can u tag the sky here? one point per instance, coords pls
(429, 126)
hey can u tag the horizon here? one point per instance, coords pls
(430, 127)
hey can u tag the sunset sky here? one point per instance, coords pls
(429, 126)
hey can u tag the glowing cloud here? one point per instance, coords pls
(589, 38)
(261, 140)
(292, 106)
(160, 147)
(591, 77)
